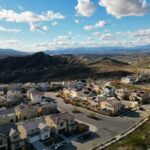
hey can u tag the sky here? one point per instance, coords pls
(38, 25)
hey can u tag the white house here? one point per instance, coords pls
(34, 130)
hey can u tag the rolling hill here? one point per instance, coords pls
(42, 67)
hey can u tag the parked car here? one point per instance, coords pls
(59, 146)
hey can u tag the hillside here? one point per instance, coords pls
(42, 67)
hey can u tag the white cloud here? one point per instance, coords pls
(10, 43)
(77, 21)
(138, 33)
(54, 23)
(28, 16)
(103, 36)
(121, 8)
(3, 29)
(85, 8)
(88, 27)
(99, 24)
(35, 27)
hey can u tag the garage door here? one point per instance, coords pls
(61, 131)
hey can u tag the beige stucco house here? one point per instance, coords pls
(61, 123)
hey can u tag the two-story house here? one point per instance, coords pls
(111, 105)
(61, 123)
(35, 96)
(34, 130)
(24, 112)
(46, 108)
(3, 142)
(13, 138)
(7, 115)
(13, 97)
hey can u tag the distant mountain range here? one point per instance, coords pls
(83, 50)
(11, 52)
(101, 50)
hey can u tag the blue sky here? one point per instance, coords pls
(35, 25)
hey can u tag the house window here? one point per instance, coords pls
(1, 142)
(46, 136)
(61, 124)
(15, 137)
(71, 121)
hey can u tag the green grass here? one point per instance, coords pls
(138, 140)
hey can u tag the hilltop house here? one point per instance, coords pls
(61, 123)
(34, 130)
(13, 141)
(24, 112)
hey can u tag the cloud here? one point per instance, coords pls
(138, 33)
(35, 27)
(121, 8)
(103, 36)
(54, 23)
(99, 24)
(28, 16)
(3, 29)
(63, 38)
(85, 8)
(10, 43)
(77, 21)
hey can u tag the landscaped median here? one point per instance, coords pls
(123, 135)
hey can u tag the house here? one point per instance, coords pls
(111, 105)
(3, 101)
(121, 94)
(127, 80)
(13, 138)
(46, 108)
(35, 96)
(16, 86)
(130, 104)
(7, 115)
(79, 85)
(69, 93)
(140, 96)
(13, 97)
(61, 123)
(34, 130)
(109, 91)
(29, 85)
(24, 112)
(42, 86)
(57, 85)
(3, 142)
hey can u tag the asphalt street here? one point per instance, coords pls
(107, 127)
